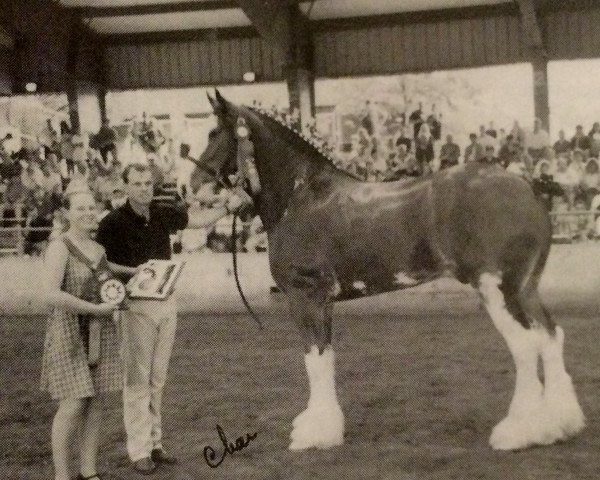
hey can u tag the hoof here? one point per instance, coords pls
(321, 428)
(516, 433)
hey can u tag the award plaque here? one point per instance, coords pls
(155, 280)
(113, 291)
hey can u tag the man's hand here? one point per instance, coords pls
(238, 199)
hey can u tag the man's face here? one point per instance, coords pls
(139, 188)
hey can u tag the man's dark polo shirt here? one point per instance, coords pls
(131, 240)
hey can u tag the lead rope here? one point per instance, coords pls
(235, 272)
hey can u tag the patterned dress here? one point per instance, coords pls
(65, 371)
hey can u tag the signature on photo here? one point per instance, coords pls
(229, 447)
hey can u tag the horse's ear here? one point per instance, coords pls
(221, 102)
(212, 101)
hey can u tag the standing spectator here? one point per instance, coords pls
(66, 374)
(66, 148)
(562, 145)
(580, 140)
(449, 153)
(424, 149)
(435, 125)
(105, 141)
(537, 141)
(474, 151)
(594, 140)
(186, 166)
(9, 168)
(51, 180)
(518, 133)
(416, 120)
(158, 176)
(366, 121)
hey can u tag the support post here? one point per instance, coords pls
(538, 57)
(72, 98)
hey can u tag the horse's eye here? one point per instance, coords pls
(212, 134)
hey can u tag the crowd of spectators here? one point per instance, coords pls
(565, 174)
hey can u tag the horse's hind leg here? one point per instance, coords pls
(321, 425)
(560, 400)
(529, 332)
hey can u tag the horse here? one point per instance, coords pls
(333, 237)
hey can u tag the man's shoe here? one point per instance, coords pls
(145, 466)
(160, 456)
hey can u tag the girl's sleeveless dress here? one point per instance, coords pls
(65, 371)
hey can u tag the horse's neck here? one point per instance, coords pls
(279, 166)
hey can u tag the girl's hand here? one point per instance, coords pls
(105, 309)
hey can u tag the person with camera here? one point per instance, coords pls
(133, 234)
(77, 384)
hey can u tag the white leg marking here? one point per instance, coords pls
(321, 425)
(527, 422)
(559, 395)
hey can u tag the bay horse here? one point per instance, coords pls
(331, 236)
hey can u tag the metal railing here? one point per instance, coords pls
(566, 226)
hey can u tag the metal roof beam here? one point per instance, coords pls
(156, 9)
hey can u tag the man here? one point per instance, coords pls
(449, 153)
(537, 141)
(474, 151)
(133, 234)
(562, 145)
(580, 140)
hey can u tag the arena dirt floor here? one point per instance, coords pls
(421, 394)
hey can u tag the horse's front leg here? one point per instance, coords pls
(321, 425)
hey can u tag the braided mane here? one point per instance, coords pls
(314, 146)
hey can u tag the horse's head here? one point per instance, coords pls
(219, 159)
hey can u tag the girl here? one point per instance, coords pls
(66, 375)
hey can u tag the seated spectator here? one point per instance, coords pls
(105, 186)
(562, 145)
(591, 180)
(424, 152)
(488, 157)
(566, 178)
(51, 179)
(577, 164)
(518, 166)
(9, 168)
(509, 152)
(40, 206)
(484, 139)
(474, 151)
(449, 153)
(580, 141)
(404, 139)
(544, 186)
(491, 131)
(537, 141)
